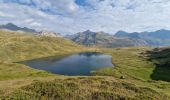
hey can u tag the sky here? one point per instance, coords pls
(72, 16)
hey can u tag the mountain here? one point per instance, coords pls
(102, 39)
(12, 27)
(157, 38)
(129, 35)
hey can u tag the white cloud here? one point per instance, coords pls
(65, 16)
(35, 24)
(29, 20)
(2, 14)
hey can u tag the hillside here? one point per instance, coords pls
(17, 46)
(101, 39)
(161, 58)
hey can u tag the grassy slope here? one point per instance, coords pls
(128, 63)
(17, 47)
(161, 58)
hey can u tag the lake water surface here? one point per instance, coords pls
(72, 65)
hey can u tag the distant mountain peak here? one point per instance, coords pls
(121, 33)
(13, 27)
(10, 24)
(162, 30)
(88, 31)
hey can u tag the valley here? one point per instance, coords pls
(136, 74)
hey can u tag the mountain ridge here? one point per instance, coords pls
(122, 38)
(102, 39)
(155, 38)
(13, 27)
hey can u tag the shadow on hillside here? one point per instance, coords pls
(161, 58)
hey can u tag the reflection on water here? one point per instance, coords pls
(76, 64)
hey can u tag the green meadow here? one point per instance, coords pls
(140, 73)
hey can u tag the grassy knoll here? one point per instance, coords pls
(18, 81)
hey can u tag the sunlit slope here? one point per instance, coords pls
(20, 46)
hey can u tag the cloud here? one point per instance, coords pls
(2, 14)
(64, 5)
(35, 24)
(71, 16)
(29, 20)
